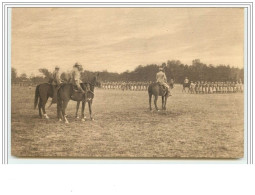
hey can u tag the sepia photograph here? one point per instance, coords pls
(127, 83)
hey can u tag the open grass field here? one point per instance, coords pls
(194, 126)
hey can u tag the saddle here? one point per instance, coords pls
(77, 95)
(162, 89)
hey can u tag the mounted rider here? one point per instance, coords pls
(76, 78)
(56, 81)
(186, 80)
(162, 80)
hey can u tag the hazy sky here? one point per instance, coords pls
(119, 39)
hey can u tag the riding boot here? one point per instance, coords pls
(54, 98)
(169, 92)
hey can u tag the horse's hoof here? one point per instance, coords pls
(83, 120)
(92, 119)
(77, 117)
(60, 120)
(66, 122)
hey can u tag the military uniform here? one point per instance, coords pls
(162, 80)
(76, 79)
(186, 80)
(56, 81)
(192, 87)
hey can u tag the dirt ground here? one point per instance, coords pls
(194, 126)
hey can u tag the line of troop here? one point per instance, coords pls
(138, 86)
(133, 86)
(206, 87)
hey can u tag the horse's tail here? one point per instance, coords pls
(36, 96)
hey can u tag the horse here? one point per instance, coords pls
(42, 93)
(65, 93)
(157, 90)
(186, 85)
(91, 85)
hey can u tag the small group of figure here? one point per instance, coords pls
(75, 79)
(215, 87)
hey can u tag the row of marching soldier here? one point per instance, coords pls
(215, 87)
(133, 86)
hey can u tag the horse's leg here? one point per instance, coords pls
(150, 95)
(44, 101)
(58, 113)
(90, 110)
(65, 102)
(82, 111)
(165, 102)
(77, 109)
(155, 102)
(162, 102)
(40, 107)
(59, 110)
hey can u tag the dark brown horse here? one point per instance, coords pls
(65, 93)
(42, 93)
(157, 90)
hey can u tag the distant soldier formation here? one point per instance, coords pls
(205, 87)
(132, 86)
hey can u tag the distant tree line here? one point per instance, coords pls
(174, 69)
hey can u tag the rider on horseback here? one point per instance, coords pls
(76, 78)
(162, 80)
(186, 80)
(56, 81)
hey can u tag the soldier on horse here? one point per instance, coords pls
(156, 89)
(162, 80)
(56, 81)
(76, 80)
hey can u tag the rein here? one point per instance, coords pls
(91, 85)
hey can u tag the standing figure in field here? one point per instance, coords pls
(198, 87)
(56, 81)
(192, 87)
(186, 84)
(202, 87)
(206, 87)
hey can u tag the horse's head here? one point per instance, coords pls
(95, 80)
